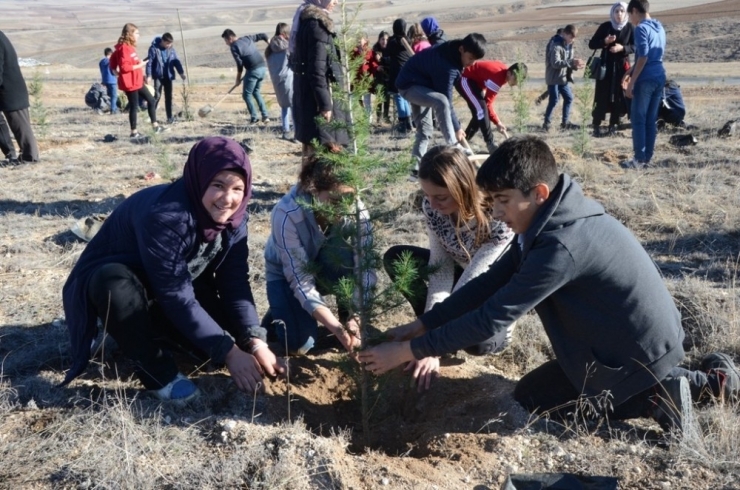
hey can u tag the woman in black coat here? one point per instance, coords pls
(315, 63)
(616, 41)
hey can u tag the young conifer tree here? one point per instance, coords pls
(368, 173)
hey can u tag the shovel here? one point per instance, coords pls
(207, 109)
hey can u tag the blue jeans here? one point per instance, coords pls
(335, 260)
(112, 89)
(252, 83)
(285, 117)
(402, 106)
(645, 104)
(554, 91)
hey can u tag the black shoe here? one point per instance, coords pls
(569, 126)
(546, 127)
(597, 132)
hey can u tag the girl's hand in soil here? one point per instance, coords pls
(267, 359)
(245, 370)
(407, 332)
(349, 336)
(384, 357)
(423, 372)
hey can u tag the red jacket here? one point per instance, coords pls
(123, 60)
(490, 76)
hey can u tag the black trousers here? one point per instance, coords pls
(417, 297)
(133, 106)
(6, 143)
(138, 324)
(166, 85)
(479, 120)
(547, 390)
(20, 124)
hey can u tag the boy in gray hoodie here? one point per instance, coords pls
(558, 64)
(613, 326)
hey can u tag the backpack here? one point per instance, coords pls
(97, 97)
(672, 109)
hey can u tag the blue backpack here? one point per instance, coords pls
(672, 108)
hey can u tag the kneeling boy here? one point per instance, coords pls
(610, 319)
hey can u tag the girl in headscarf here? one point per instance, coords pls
(616, 41)
(316, 65)
(169, 268)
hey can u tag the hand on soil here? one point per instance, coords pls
(245, 370)
(270, 363)
(423, 372)
(384, 357)
(349, 335)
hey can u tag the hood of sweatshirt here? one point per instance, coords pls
(157, 40)
(429, 25)
(565, 205)
(399, 27)
(651, 24)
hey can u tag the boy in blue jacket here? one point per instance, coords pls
(426, 81)
(108, 78)
(647, 79)
(160, 67)
(613, 326)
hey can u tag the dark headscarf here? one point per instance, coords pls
(207, 158)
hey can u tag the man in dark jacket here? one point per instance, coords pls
(160, 67)
(612, 324)
(14, 101)
(426, 81)
(249, 58)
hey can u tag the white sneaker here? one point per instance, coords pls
(632, 163)
(467, 151)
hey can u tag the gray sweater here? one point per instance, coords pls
(559, 61)
(603, 304)
(245, 52)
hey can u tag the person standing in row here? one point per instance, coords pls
(247, 57)
(616, 41)
(14, 103)
(315, 60)
(560, 61)
(108, 79)
(281, 75)
(647, 79)
(160, 66)
(130, 69)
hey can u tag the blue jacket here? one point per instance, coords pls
(106, 76)
(610, 318)
(650, 43)
(436, 68)
(154, 233)
(162, 62)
